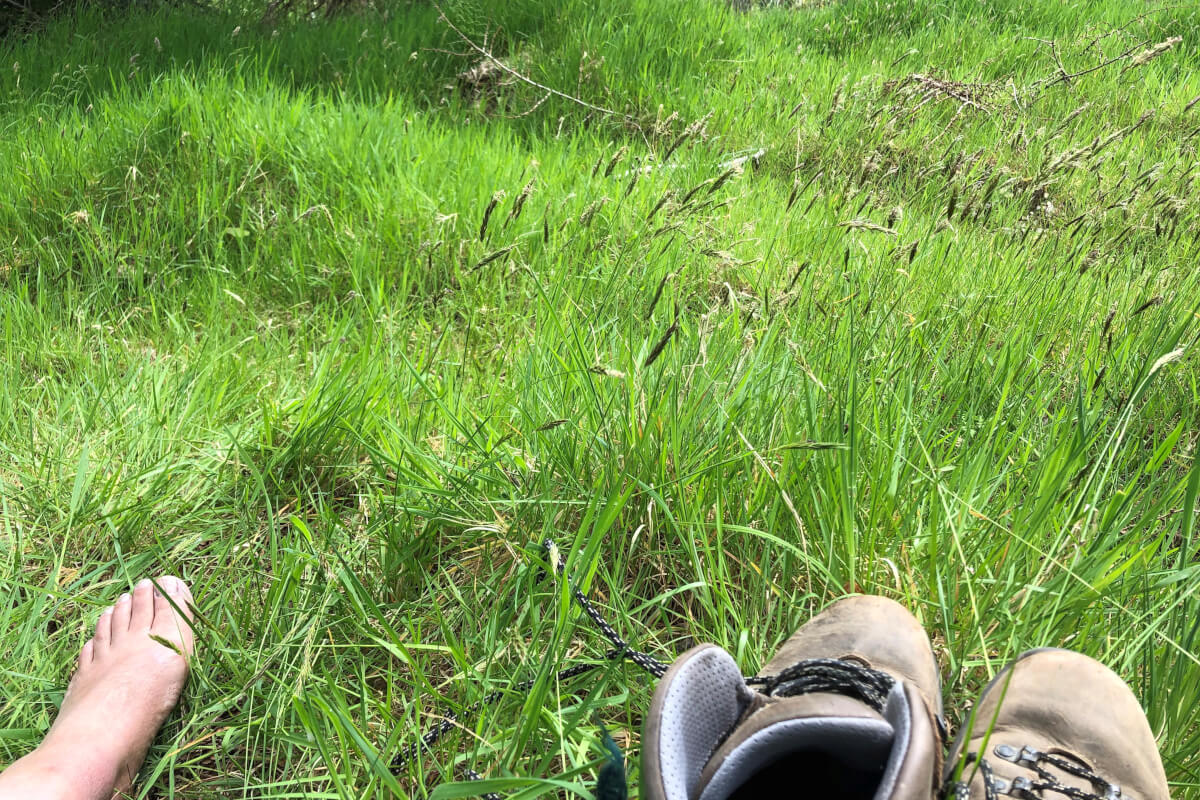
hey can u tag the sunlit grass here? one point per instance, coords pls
(897, 314)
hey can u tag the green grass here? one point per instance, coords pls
(250, 335)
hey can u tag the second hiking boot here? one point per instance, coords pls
(1056, 724)
(850, 707)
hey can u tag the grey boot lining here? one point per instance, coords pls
(703, 703)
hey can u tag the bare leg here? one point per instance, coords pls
(126, 684)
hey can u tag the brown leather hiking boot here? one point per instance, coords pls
(850, 707)
(1056, 724)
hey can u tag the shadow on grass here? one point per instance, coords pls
(81, 59)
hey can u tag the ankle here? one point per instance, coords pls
(57, 771)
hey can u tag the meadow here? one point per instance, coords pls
(744, 309)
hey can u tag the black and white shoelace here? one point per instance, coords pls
(1043, 786)
(828, 675)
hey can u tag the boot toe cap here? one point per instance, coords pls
(1065, 703)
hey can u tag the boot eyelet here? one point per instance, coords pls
(1006, 751)
(1021, 787)
(1030, 756)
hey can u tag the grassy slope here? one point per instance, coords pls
(248, 337)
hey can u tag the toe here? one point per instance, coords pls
(85, 655)
(178, 589)
(141, 612)
(173, 612)
(103, 632)
(120, 617)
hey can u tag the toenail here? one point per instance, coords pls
(143, 583)
(124, 598)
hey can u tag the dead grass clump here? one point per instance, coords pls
(920, 89)
(482, 83)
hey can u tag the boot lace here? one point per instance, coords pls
(837, 676)
(1036, 761)
(827, 675)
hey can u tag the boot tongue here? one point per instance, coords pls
(791, 731)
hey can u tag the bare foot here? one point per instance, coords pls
(130, 677)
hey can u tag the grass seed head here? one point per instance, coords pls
(1148, 55)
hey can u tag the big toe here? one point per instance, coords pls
(173, 613)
